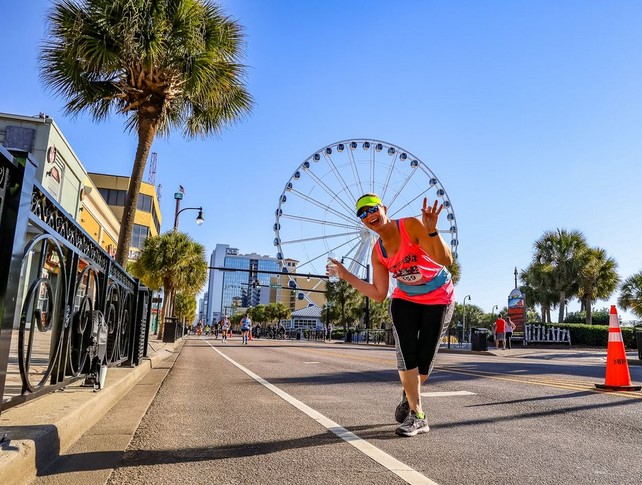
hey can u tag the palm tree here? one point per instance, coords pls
(346, 302)
(277, 311)
(163, 64)
(379, 313)
(185, 306)
(631, 294)
(598, 279)
(455, 271)
(560, 253)
(176, 260)
(536, 289)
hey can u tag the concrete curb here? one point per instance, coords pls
(40, 430)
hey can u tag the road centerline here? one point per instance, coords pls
(403, 471)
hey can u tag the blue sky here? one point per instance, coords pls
(530, 114)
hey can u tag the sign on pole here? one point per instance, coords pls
(517, 309)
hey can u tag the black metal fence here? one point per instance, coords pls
(66, 307)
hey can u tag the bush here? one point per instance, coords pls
(598, 317)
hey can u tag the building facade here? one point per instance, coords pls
(230, 292)
(297, 291)
(147, 220)
(61, 174)
(59, 170)
(259, 280)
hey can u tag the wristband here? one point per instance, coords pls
(433, 234)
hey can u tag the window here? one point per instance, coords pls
(155, 220)
(114, 197)
(139, 235)
(144, 203)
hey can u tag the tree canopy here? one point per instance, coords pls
(177, 262)
(162, 64)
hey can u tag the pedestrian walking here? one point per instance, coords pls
(246, 327)
(422, 302)
(510, 326)
(500, 332)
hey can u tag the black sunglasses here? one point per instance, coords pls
(368, 211)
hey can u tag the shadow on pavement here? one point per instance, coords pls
(538, 414)
(132, 458)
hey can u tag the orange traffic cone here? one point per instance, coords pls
(618, 377)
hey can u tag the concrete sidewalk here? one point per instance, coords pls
(38, 431)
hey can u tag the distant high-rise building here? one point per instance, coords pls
(202, 309)
(229, 292)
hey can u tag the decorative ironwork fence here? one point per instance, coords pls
(66, 307)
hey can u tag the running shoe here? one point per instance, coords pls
(403, 408)
(413, 426)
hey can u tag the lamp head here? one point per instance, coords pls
(199, 218)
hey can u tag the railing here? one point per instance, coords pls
(542, 333)
(66, 307)
(373, 336)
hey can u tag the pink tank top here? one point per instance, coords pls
(419, 278)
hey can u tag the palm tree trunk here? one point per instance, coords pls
(161, 321)
(167, 309)
(146, 134)
(560, 318)
(589, 313)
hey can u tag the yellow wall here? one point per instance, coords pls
(289, 298)
(90, 224)
(115, 182)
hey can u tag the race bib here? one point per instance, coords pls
(411, 279)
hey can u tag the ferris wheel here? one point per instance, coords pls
(316, 210)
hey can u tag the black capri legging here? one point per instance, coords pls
(417, 331)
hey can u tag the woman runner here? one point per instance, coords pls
(422, 302)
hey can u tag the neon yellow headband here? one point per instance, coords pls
(368, 201)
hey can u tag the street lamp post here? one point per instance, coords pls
(366, 319)
(492, 311)
(178, 196)
(199, 218)
(463, 328)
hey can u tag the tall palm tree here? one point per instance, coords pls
(176, 260)
(163, 64)
(598, 279)
(536, 288)
(560, 252)
(631, 294)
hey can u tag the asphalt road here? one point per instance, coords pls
(288, 412)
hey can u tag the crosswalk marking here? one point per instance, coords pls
(447, 393)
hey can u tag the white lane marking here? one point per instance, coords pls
(447, 393)
(400, 469)
(311, 362)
